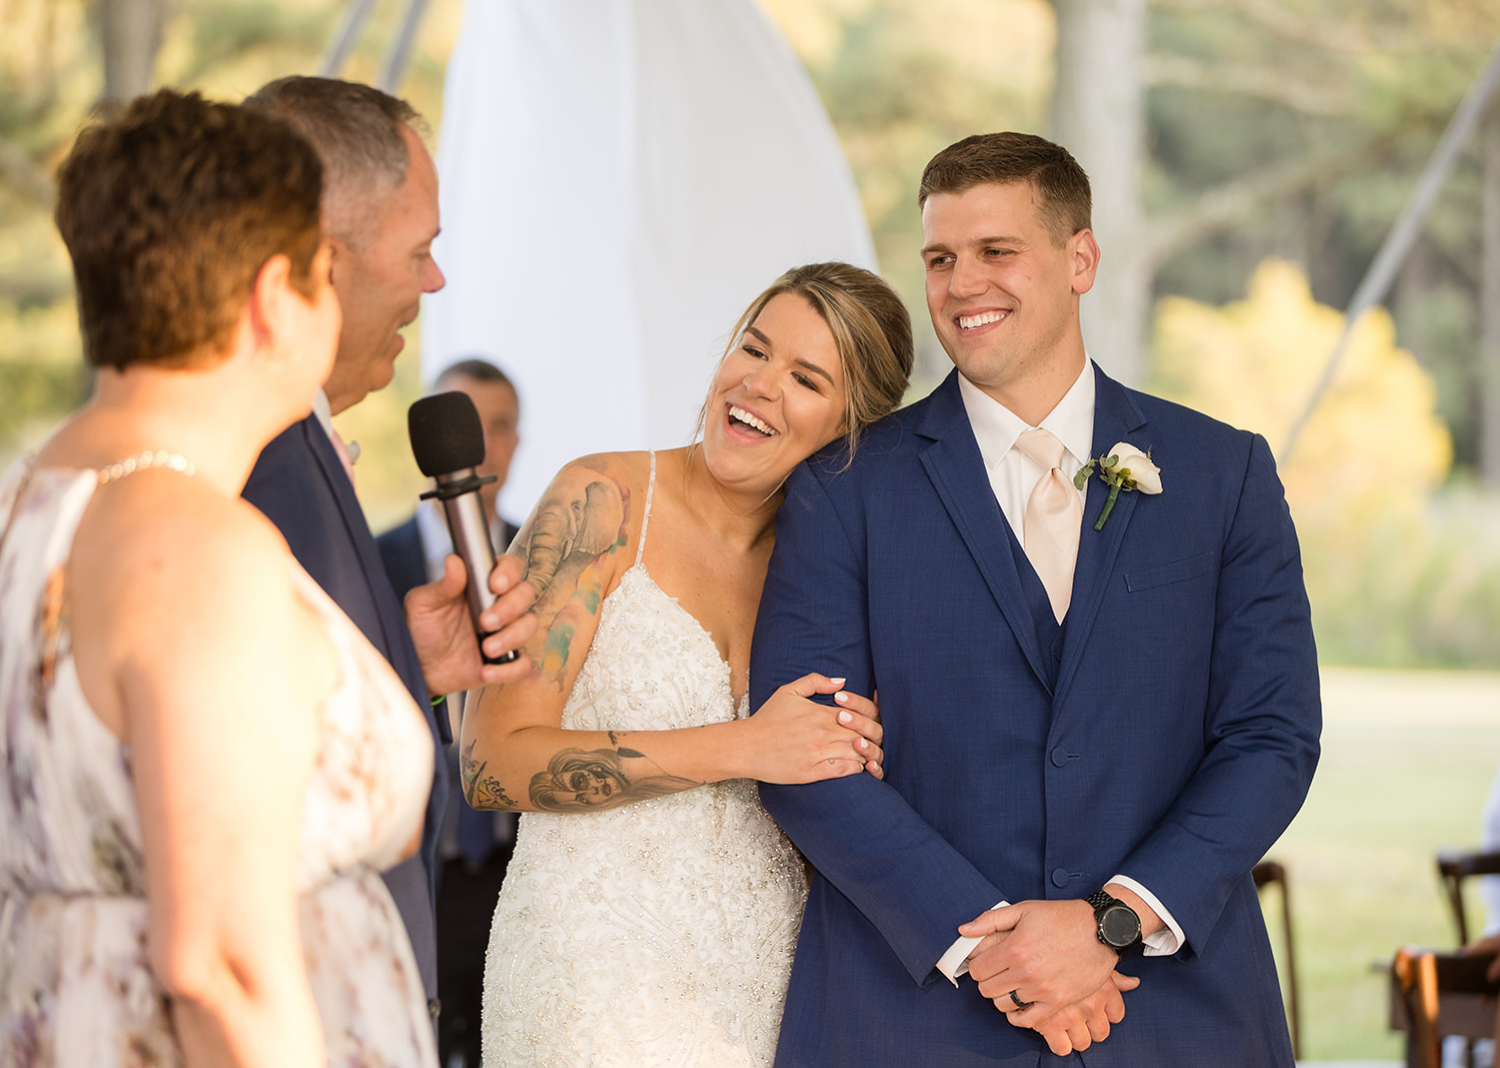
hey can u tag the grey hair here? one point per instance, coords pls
(355, 130)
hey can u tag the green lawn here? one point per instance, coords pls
(1408, 758)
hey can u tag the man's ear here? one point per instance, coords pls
(1083, 253)
(266, 308)
(338, 253)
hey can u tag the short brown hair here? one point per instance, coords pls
(480, 370)
(356, 131)
(1066, 204)
(169, 211)
(870, 328)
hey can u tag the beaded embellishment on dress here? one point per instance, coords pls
(660, 933)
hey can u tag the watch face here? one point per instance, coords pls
(1120, 926)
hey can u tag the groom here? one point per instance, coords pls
(1100, 727)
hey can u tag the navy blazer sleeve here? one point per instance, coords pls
(401, 553)
(907, 880)
(1263, 716)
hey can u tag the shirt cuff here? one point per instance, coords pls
(955, 963)
(1170, 938)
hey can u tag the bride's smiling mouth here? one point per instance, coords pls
(740, 418)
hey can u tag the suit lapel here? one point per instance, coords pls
(957, 471)
(359, 535)
(1116, 418)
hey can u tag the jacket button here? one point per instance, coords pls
(1060, 877)
(1059, 757)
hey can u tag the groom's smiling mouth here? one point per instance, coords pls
(978, 319)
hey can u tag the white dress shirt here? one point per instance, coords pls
(1013, 476)
(324, 412)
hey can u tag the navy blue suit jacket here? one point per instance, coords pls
(1172, 741)
(300, 485)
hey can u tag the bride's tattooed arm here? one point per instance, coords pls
(568, 544)
(480, 790)
(580, 781)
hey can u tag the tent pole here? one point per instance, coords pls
(1382, 270)
(398, 56)
(341, 44)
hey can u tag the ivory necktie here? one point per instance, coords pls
(1054, 516)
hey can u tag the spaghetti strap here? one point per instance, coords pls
(640, 548)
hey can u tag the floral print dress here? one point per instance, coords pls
(76, 986)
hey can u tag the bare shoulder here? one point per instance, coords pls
(190, 600)
(177, 555)
(587, 518)
(622, 475)
(167, 522)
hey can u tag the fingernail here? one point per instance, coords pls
(864, 743)
(838, 682)
(841, 697)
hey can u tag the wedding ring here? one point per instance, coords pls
(1019, 1003)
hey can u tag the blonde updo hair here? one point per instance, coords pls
(871, 331)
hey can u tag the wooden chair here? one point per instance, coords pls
(1264, 874)
(1453, 869)
(1434, 995)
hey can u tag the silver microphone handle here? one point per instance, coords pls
(470, 530)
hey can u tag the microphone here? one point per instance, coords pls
(447, 440)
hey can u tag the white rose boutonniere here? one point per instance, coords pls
(1124, 467)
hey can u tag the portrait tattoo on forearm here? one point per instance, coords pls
(578, 780)
(482, 791)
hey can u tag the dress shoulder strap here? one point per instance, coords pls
(640, 548)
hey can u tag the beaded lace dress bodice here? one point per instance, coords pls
(659, 933)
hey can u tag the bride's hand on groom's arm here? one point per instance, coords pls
(798, 740)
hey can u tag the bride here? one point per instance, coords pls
(650, 913)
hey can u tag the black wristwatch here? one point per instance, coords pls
(1119, 926)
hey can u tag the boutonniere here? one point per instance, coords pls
(1123, 468)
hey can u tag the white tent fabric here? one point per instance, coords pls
(619, 178)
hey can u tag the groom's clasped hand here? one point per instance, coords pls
(1048, 954)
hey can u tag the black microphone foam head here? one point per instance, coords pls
(446, 435)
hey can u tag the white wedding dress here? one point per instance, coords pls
(660, 933)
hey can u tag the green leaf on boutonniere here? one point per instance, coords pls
(1083, 475)
(1115, 473)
